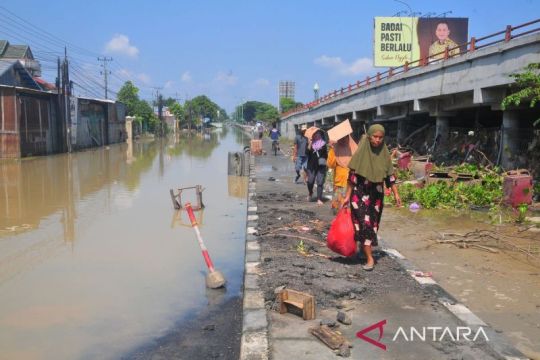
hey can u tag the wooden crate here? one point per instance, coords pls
(331, 338)
(300, 300)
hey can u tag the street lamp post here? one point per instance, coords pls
(243, 120)
(316, 91)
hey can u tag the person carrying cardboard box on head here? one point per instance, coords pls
(300, 155)
(342, 147)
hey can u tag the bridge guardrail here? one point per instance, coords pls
(471, 46)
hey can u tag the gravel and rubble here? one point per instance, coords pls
(293, 254)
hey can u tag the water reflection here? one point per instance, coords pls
(94, 257)
(35, 188)
(180, 218)
(238, 186)
(197, 145)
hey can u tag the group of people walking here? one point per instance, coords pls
(360, 173)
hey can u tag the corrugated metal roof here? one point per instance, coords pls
(3, 45)
(16, 51)
(97, 100)
(27, 90)
(5, 65)
(44, 84)
(25, 77)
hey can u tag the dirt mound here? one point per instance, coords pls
(294, 255)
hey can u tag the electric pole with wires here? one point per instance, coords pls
(105, 72)
(159, 104)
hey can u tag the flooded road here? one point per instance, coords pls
(94, 260)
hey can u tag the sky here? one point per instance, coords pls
(231, 51)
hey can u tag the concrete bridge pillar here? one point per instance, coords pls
(442, 131)
(401, 131)
(510, 138)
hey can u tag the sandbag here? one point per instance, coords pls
(340, 237)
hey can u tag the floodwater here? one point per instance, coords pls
(95, 261)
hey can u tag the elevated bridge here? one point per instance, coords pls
(462, 92)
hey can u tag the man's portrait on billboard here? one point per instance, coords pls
(437, 34)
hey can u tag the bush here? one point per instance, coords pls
(457, 196)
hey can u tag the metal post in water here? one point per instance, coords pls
(214, 279)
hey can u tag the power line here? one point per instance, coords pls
(46, 35)
(47, 48)
(105, 72)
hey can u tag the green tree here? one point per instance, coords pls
(267, 113)
(527, 88)
(140, 109)
(147, 117)
(129, 95)
(202, 107)
(222, 115)
(168, 102)
(249, 109)
(257, 111)
(178, 111)
(287, 104)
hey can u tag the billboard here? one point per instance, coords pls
(401, 39)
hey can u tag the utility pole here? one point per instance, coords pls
(159, 103)
(178, 121)
(188, 114)
(105, 72)
(65, 83)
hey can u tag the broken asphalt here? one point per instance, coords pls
(395, 311)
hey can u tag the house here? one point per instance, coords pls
(35, 119)
(13, 73)
(29, 121)
(21, 53)
(96, 122)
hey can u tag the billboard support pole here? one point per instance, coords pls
(472, 47)
(508, 34)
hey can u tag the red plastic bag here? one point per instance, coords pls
(340, 238)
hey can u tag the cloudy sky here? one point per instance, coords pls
(230, 50)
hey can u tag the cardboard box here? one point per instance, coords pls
(341, 130)
(256, 147)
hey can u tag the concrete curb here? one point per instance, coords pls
(498, 343)
(254, 343)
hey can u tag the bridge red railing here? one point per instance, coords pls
(506, 35)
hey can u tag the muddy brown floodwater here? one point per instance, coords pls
(502, 288)
(96, 264)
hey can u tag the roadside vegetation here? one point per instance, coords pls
(256, 111)
(189, 115)
(484, 190)
(481, 187)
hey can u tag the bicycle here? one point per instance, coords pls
(275, 146)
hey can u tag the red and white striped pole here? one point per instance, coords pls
(214, 279)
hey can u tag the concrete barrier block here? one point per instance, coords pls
(253, 246)
(255, 320)
(253, 255)
(251, 282)
(253, 300)
(252, 268)
(254, 346)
